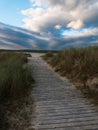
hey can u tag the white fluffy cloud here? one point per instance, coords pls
(41, 20)
(76, 24)
(85, 33)
(57, 26)
(49, 16)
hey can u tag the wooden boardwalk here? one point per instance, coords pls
(58, 104)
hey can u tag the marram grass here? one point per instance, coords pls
(78, 64)
(15, 77)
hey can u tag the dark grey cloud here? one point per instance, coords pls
(18, 38)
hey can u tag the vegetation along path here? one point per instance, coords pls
(58, 104)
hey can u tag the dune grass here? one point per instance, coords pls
(15, 85)
(80, 65)
(15, 77)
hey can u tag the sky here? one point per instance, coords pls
(10, 11)
(53, 18)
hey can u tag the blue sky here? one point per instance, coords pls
(10, 11)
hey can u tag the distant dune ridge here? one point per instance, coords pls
(18, 38)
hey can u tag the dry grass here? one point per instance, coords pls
(80, 65)
(15, 77)
(16, 81)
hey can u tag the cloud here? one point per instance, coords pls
(57, 26)
(63, 23)
(18, 38)
(44, 20)
(51, 16)
(83, 33)
(76, 24)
